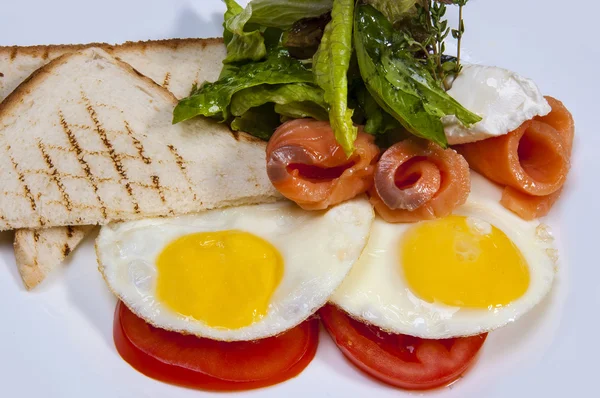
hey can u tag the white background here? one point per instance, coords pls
(57, 341)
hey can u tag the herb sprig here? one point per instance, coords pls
(458, 33)
(427, 36)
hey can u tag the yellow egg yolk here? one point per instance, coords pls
(463, 262)
(225, 278)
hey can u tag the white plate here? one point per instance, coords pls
(57, 340)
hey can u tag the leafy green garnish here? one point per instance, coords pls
(261, 121)
(427, 33)
(330, 66)
(378, 121)
(213, 99)
(241, 45)
(301, 109)
(281, 94)
(399, 83)
(401, 69)
(394, 10)
(283, 13)
(458, 34)
(289, 59)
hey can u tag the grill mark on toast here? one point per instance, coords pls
(111, 150)
(69, 231)
(46, 53)
(13, 53)
(86, 167)
(21, 178)
(73, 176)
(158, 187)
(56, 177)
(167, 80)
(138, 145)
(181, 163)
(141, 151)
(36, 235)
(81, 206)
(66, 250)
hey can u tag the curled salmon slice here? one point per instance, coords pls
(418, 180)
(561, 119)
(307, 165)
(532, 161)
(528, 207)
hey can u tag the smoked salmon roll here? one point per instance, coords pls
(306, 164)
(418, 180)
(528, 207)
(532, 162)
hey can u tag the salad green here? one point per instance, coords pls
(400, 84)
(214, 99)
(284, 13)
(330, 66)
(241, 45)
(378, 63)
(280, 94)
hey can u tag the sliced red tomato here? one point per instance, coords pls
(213, 365)
(400, 360)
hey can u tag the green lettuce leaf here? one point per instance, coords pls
(213, 99)
(283, 13)
(241, 45)
(261, 121)
(244, 28)
(378, 121)
(232, 10)
(398, 83)
(280, 94)
(302, 109)
(395, 10)
(402, 68)
(330, 66)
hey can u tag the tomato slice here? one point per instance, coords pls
(400, 360)
(207, 364)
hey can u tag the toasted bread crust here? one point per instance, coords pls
(44, 51)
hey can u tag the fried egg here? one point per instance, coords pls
(474, 271)
(235, 274)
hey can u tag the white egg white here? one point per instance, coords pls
(502, 98)
(318, 250)
(376, 292)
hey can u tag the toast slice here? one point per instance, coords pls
(176, 64)
(38, 252)
(103, 149)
